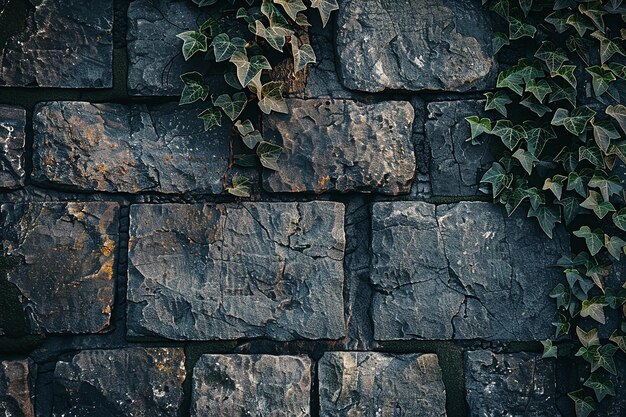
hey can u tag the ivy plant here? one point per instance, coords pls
(242, 41)
(558, 118)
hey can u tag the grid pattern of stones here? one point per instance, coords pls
(124, 263)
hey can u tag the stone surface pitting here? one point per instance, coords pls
(369, 384)
(124, 382)
(204, 272)
(456, 165)
(251, 385)
(463, 271)
(65, 43)
(15, 388)
(131, 149)
(342, 145)
(12, 142)
(518, 384)
(414, 45)
(67, 257)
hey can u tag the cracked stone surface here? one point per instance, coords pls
(509, 384)
(462, 271)
(12, 142)
(456, 166)
(205, 272)
(342, 145)
(15, 388)
(67, 257)
(368, 384)
(251, 385)
(131, 149)
(124, 382)
(65, 44)
(414, 45)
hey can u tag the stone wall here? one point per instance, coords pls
(366, 277)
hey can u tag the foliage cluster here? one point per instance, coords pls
(242, 41)
(559, 115)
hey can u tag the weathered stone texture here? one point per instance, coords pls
(231, 271)
(120, 383)
(456, 165)
(414, 45)
(368, 384)
(519, 384)
(12, 142)
(66, 43)
(342, 145)
(15, 388)
(256, 385)
(132, 149)
(154, 51)
(67, 254)
(463, 271)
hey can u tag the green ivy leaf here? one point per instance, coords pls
(509, 134)
(478, 126)
(211, 118)
(583, 404)
(537, 137)
(600, 79)
(302, 55)
(501, 7)
(249, 70)
(244, 128)
(588, 339)
(526, 5)
(618, 112)
(576, 122)
(241, 187)
(619, 219)
(549, 350)
(614, 245)
(252, 139)
(292, 7)
(499, 40)
(325, 7)
(232, 107)
(268, 154)
(561, 91)
(302, 21)
(497, 101)
(271, 98)
(547, 216)
(594, 14)
(580, 24)
(607, 186)
(540, 89)
(603, 132)
(224, 47)
(275, 36)
(577, 183)
(602, 387)
(498, 178)
(567, 73)
(567, 158)
(193, 42)
(618, 70)
(519, 29)
(608, 48)
(561, 295)
(604, 356)
(591, 154)
(512, 198)
(536, 107)
(552, 56)
(558, 20)
(535, 197)
(555, 184)
(195, 89)
(571, 208)
(599, 206)
(593, 239)
(581, 46)
(527, 159)
(620, 341)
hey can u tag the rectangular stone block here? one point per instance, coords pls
(64, 43)
(63, 260)
(455, 165)
(255, 385)
(517, 384)
(369, 384)
(463, 271)
(12, 142)
(124, 382)
(414, 45)
(16, 385)
(342, 145)
(205, 272)
(130, 149)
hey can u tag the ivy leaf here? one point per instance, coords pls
(552, 56)
(614, 245)
(478, 126)
(302, 21)
(547, 216)
(555, 184)
(540, 89)
(501, 7)
(231, 80)
(519, 29)
(244, 128)
(302, 55)
(600, 79)
(497, 101)
(499, 40)
(271, 98)
(593, 239)
(535, 197)
(193, 42)
(526, 5)
(603, 132)
(292, 7)
(608, 48)
(224, 47)
(211, 25)
(252, 139)
(241, 187)
(619, 219)
(211, 117)
(537, 137)
(595, 15)
(604, 356)
(512, 199)
(571, 208)
(602, 387)
(607, 186)
(498, 178)
(325, 7)
(249, 70)
(536, 107)
(618, 112)
(509, 134)
(576, 122)
(558, 20)
(549, 350)
(581, 46)
(620, 341)
(562, 91)
(577, 183)
(203, 3)
(580, 24)
(195, 89)
(618, 70)
(567, 158)
(527, 159)
(512, 79)
(232, 106)
(583, 404)
(567, 73)
(588, 339)
(561, 295)
(275, 36)
(599, 206)
(246, 160)
(268, 154)
(591, 154)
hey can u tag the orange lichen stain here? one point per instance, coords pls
(48, 160)
(168, 158)
(163, 368)
(101, 168)
(321, 184)
(106, 271)
(108, 247)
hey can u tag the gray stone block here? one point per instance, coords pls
(256, 385)
(342, 145)
(125, 382)
(205, 272)
(463, 271)
(12, 142)
(415, 45)
(65, 43)
(368, 384)
(16, 388)
(66, 255)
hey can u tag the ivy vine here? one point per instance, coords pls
(558, 113)
(242, 41)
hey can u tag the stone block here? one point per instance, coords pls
(12, 142)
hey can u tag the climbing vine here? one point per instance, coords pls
(557, 112)
(242, 41)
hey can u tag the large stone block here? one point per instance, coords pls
(414, 45)
(131, 149)
(15, 388)
(518, 384)
(368, 384)
(12, 142)
(256, 385)
(204, 272)
(464, 271)
(65, 43)
(66, 257)
(456, 165)
(125, 382)
(342, 145)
